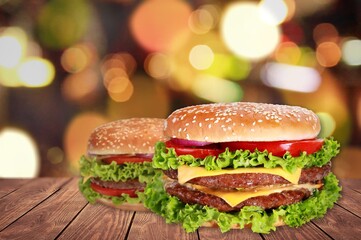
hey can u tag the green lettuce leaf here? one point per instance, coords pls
(92, 167)
(166, 158)
(193, 216)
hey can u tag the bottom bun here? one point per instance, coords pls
(125, 206)
(213, 224)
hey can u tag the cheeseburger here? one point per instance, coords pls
(118, 162)
(241, 164)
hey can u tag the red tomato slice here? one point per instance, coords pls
(121, 159)
(197, 152)
(112, 191)
(278, 148)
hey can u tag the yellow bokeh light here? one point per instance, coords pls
(36, 72)
(119, 60)
(273, 11)
(201, 57)
(158, 65)
(120, 89)
(288, 52)
(77, 57)
(328, 54)
(19, 154)
(351, 52)
(77, 134)
(246, 34)
(216, 89)
(112, 73)
(203, 19)
(156, 24)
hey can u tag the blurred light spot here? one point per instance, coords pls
(325, 32)
(150, 99)
(119, 60)
(13, 44)
(308, 57)
(201, 57)
(289, 77)
(288, 53)
(77, 134)
(77, 58)
(112, 73)
(19, 154)
(81, 87)
(156, 24)
(328, 54)
(120, 89)
(55, 155)
(158, 66)
(292, 31)
(36, 72)
(273, 11)
(216, 89)
(351, 52)
(246, 34)
(62, 23)
(9, 77)
(229, 67)
(10, 51)
(203, 19)
(328, 124)
(358, 110)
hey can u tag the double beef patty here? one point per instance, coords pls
(248, 180)
(251, 180)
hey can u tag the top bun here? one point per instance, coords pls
(242, 121)
(126, 136)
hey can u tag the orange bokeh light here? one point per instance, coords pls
(328, 54)
(156, 24)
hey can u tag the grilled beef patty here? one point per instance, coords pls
(251, 180)
(274, 200)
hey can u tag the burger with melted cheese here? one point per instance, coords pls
(236, 165)
(118, 162)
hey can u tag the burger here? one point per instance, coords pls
(237, 165)
(118, 165)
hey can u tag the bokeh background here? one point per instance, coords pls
(68, 66)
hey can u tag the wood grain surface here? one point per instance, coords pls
(53, 208)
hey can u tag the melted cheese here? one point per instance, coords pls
(186, 173)
(233, 198)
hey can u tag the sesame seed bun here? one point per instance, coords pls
(126, 136)
(242, 121)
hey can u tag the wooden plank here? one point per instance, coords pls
(340, 224)
(354, 184)
(17, 203)
(350, 200)
(9, 185)
(49, 218)
(305, 232)
(148, 226)
(98, 222)
(215, 233)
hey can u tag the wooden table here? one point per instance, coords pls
(53, 208)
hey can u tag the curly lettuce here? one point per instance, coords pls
(92, 167)
(166, 158)
(193, 216)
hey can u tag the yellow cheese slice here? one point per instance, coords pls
(186, 173)
(86, 178)
(233, 198)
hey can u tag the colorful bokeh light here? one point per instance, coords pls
(36, 72)
(244, 32)
(156, 24)
(351, 52)
(19, 154)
